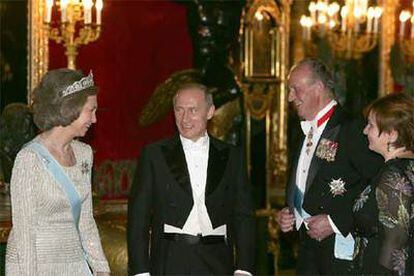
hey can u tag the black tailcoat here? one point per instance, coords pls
(161, 194)
(355, 165)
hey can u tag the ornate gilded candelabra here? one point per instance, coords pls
(351, 30)
(75, 26)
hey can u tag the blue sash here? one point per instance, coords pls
(55, 169)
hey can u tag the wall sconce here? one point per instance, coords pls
(75, 26)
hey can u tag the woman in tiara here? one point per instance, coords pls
(54, 232)
(384, 212)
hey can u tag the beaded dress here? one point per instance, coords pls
(44, 239)
(384, 221)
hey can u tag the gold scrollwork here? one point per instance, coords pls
(347, 45)
(256, 100)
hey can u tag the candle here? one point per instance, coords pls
(87, 11)
(312, 10)
(306, 23)
(344, 13)
(48, 15)
(98, 6)
(404, 16)
(378, 12)
(333, 10)
(370, 15)
(302, 22)
(63, 7)
(357, 17)
(363, 6)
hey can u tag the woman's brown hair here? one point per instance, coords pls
(395, 112)
(51, 107)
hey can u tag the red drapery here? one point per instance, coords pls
(142, 44)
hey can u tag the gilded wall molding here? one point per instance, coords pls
(266, 95)
(387, 40)
(37, 46)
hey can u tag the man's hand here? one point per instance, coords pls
(285, 219)
(319, 227)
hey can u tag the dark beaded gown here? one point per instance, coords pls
(384, 222)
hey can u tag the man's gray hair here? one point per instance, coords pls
(193, 85)
(320, 71)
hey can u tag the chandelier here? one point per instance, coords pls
(351, 29)
(74, 24)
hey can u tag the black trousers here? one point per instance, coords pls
(317, 258)
(182, 258)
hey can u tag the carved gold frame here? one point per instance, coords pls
(265, 98)
(387, 39)
(273, 104)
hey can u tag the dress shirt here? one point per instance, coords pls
(308, 150)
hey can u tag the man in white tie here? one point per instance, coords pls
(190, 205)
(329, 169)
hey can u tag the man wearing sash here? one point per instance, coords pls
(190, 204)
(330, 167)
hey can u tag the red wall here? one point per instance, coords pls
(142, 44)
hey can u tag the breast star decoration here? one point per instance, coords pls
(327, 150)
(337, 187)
(85, 167)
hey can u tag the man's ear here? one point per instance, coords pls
(211, 111)
(319, 84)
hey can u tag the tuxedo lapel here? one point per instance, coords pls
(293, 170)
(217, 163)
(175, 158)
(330, 132)
(313, 169)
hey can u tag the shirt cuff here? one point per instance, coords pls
(238, 271)
(143, 274)
(334, 228)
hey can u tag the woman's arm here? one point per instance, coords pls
(26, 175)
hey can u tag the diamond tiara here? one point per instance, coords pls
(79, 85)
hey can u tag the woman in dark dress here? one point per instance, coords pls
(384, 212)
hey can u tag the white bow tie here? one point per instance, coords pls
(194, 147)
(307, 125)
